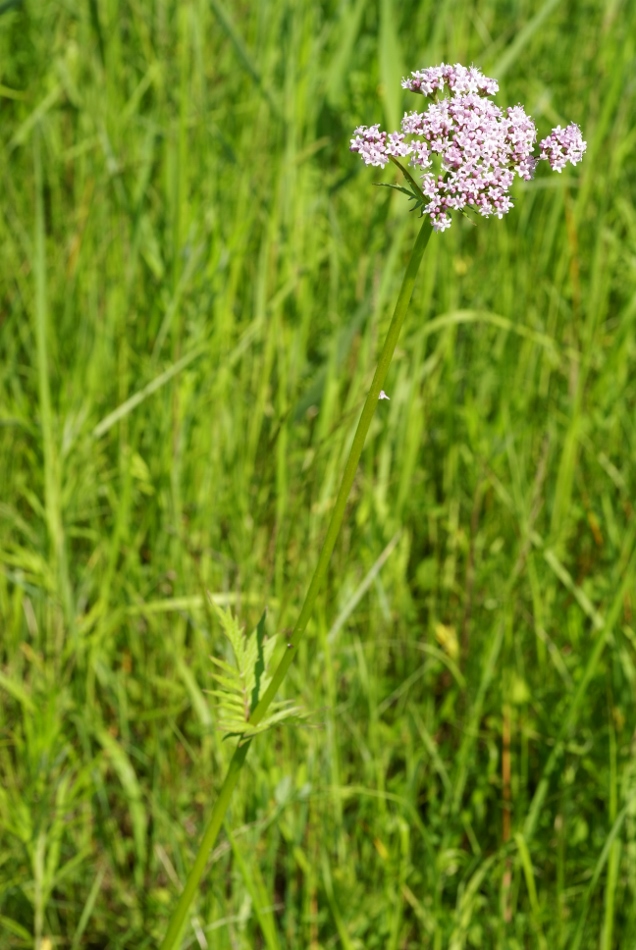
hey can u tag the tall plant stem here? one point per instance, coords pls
(337, 515)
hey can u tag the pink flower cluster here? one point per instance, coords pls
(468, 148)
(563, 146)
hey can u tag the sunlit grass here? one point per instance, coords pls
(209, 262)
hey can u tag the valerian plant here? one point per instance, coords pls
(467, 153)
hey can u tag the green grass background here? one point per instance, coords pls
(195, 277)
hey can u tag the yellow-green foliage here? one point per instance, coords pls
(195, 274)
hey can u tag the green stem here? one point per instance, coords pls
(173, 934)
(351, 468)
(337, 515)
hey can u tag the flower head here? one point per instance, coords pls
(562, 146)
(468, 149)
(459, 79)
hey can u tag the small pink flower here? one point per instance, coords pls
(459, 79)
(371, 144)
(562, 146)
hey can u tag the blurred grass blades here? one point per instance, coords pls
(586, 677)
(127, 407)
(51, 462)
(528, 871)
(88, 909)
(341, 928)
(125, 772)
(514, 49)
(198, 700)
(255, 885)
(17, 690)
(468, 903)
(16, 929)
(359, 593)
(598, 869)
(391, 63)
(243, 54)
(157, 146)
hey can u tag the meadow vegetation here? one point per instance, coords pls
(195, 276)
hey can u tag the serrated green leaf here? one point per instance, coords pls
(239, 688)
(224, 666)
(233, 684)
(228, 701)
